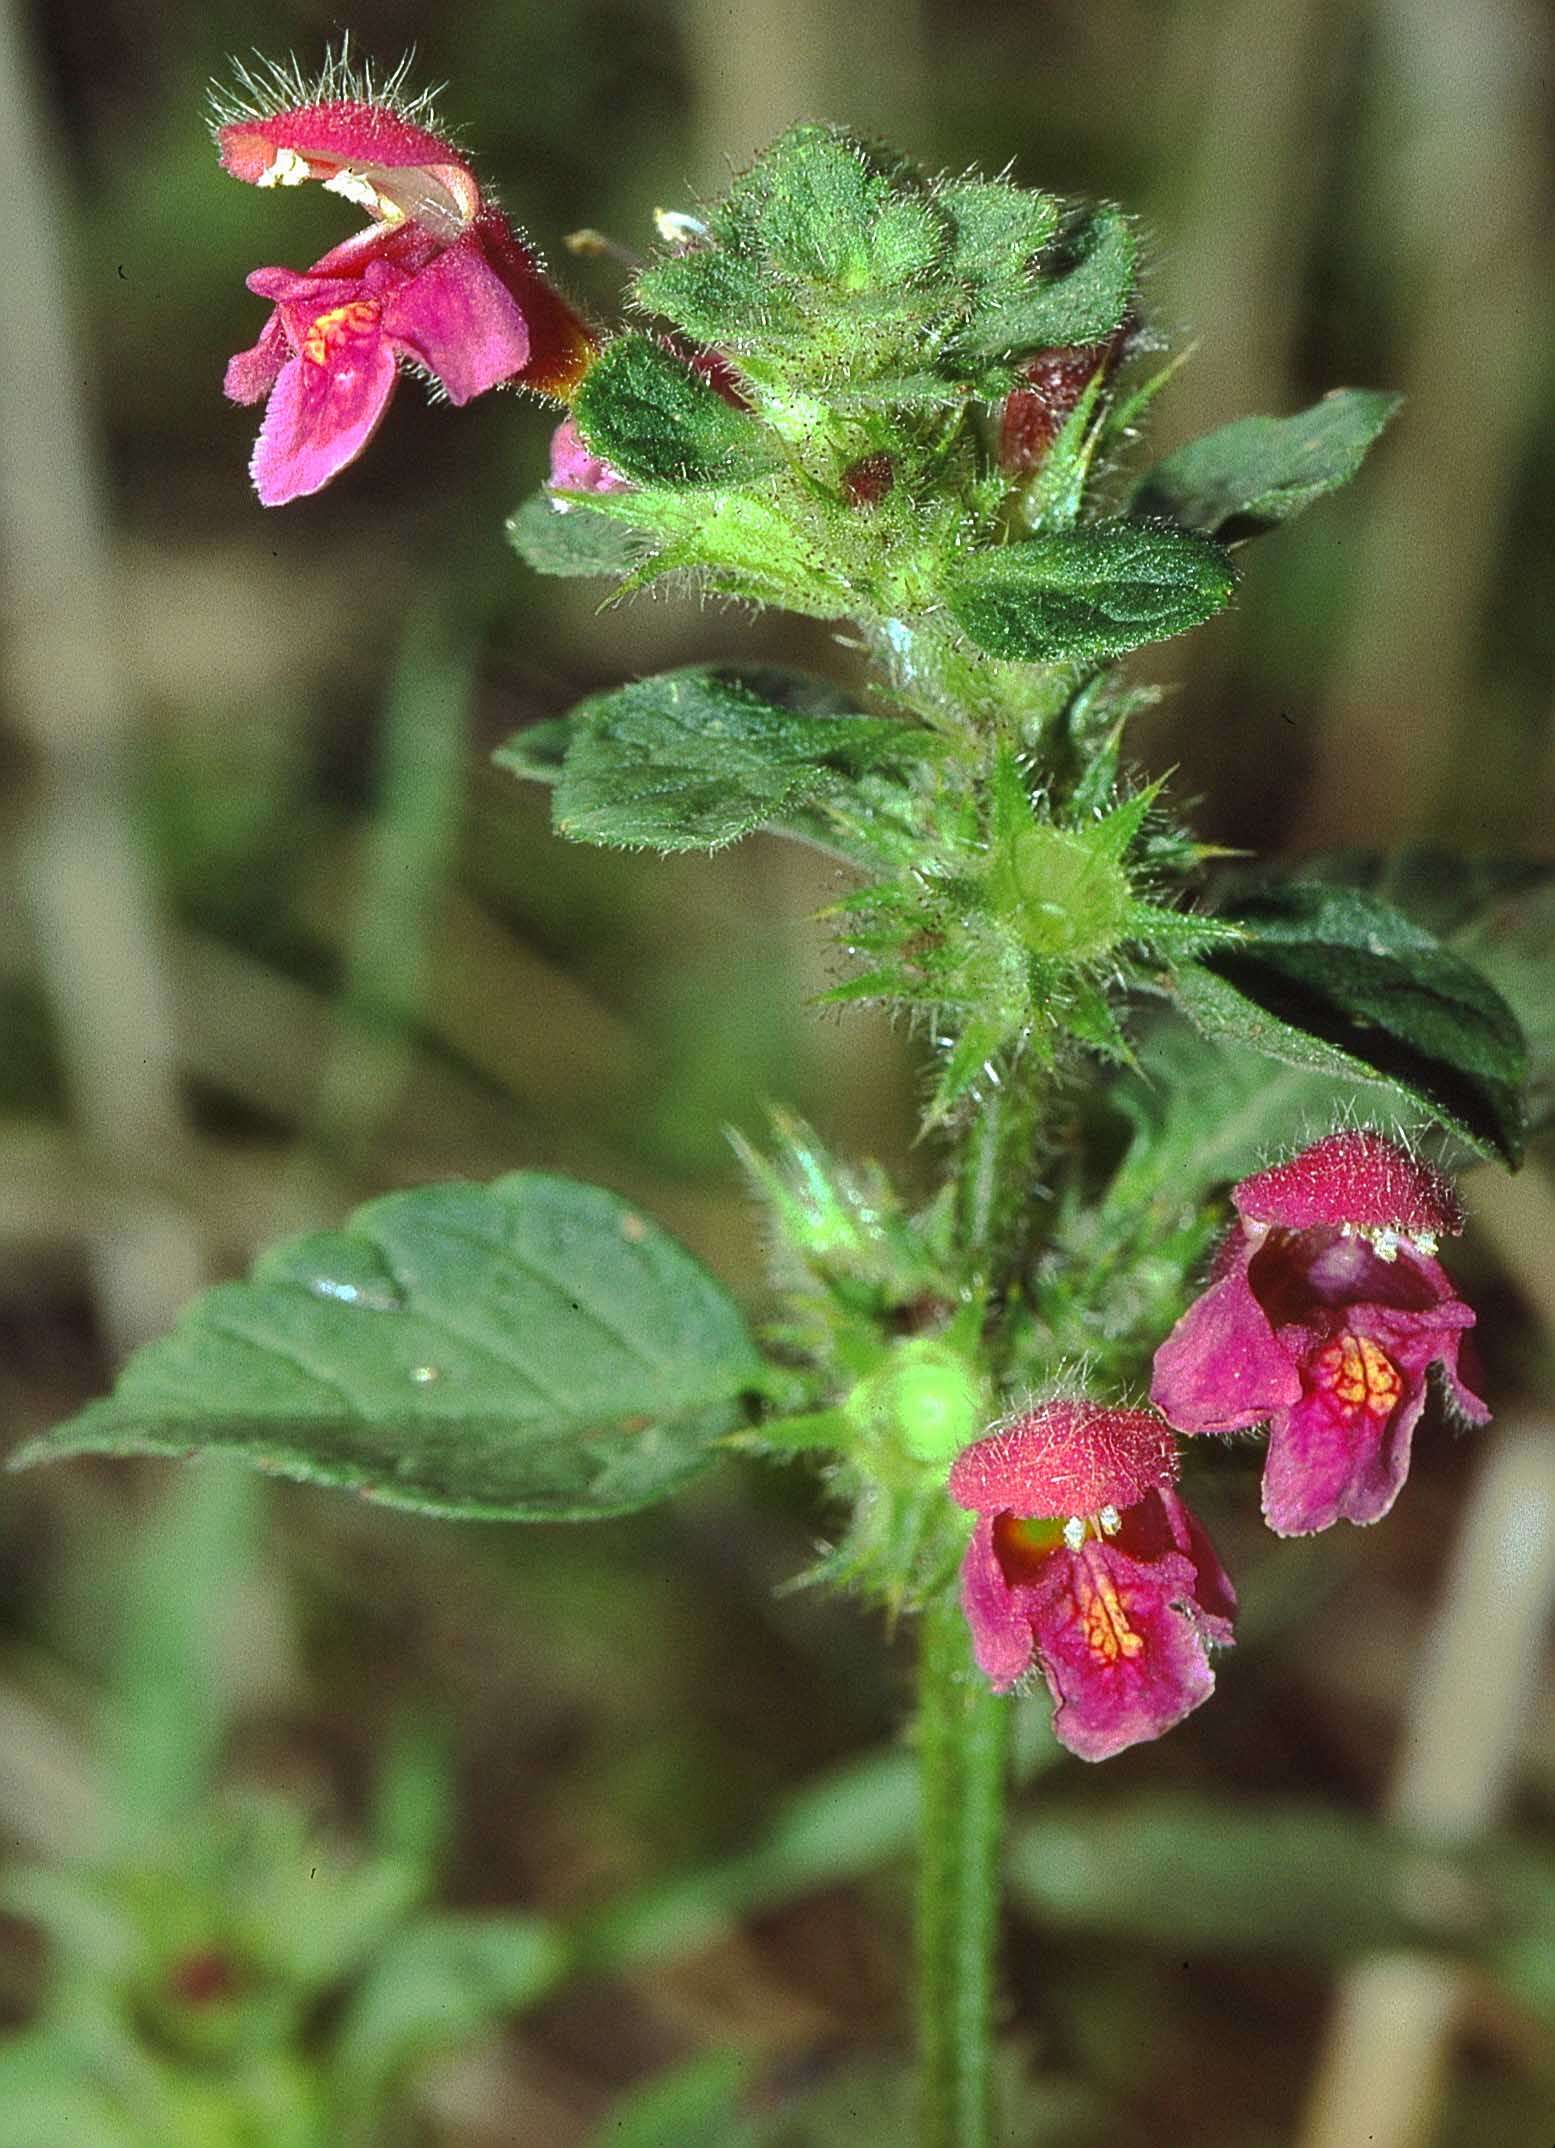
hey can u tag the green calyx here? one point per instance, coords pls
(1062, 892)
(1030, 918)
(922, 1406)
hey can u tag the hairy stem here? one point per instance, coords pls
(963, 1735)
(963, 1729)
(996, 1181)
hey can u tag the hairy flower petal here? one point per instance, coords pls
(1221, 1369)
(368, 152)
(1122, 1658)
(1065, 1458)
(251, 374)
(459, 319)
(1002, 1640)
(319, 418)
(1358, 1177)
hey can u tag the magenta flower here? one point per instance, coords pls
(1326, 1309)
(438, 281)
(1086, 1564)
(576, 468)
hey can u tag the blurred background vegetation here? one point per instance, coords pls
(275, 936)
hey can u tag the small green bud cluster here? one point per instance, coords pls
(861, 392)
(870, 341)
(839, 451)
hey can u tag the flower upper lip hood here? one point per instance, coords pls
(359, 136)
(363, 151)
(1324, 1313)
(1357, 1178)
(1066, 1458)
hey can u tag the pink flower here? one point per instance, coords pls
(576, 468)
(438, 281)
(1086, 1564)
(1326, 1309)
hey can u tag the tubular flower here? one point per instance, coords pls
(1326, 1308)
(1086, 1564)
(439, 280)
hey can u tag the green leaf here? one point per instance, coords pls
(826, 260)
(916, 389)
(412, 1813)
(1185, 1872)
(1248, 477)
(539, 751)
(694, 759)
(722, 292)
(1083, 595)
(840, 1827)
(93, 1935)
(693, 2105)
(1332, 979)
(1497, 912)
(1451, 893)
(167, 1713)
(566, 538)
(1207, 1112)
(840, 213)
(999, 228)
(435, 1985)
(1512, 942)
(656, 419)
(1080, 293)
(739, 543)
(48, 2100)
(529, 1350)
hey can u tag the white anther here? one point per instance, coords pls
(351, 186)
(1074, 1532)
(1385, 1244)
(1111, 1521)
(1425, 1242)
(288, 169)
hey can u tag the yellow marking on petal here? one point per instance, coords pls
(1359, 1376)
(337, 326)
(1103, 1619)
(287, 168)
